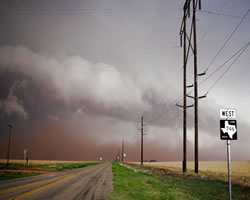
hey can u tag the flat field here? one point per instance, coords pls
(40, 162)
(240, 170)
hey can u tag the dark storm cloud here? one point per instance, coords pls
(80, 84)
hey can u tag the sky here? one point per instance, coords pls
(77, 76)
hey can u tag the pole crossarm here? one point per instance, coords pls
(189, 106)
(200, 97)
(202, 74)
(190, 96)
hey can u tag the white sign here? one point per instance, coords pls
(228, 113)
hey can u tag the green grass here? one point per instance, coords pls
(58, 167)
(130, 185)
(61, 167)
(11, 166)
(4, 177)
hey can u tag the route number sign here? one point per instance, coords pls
(228, 130)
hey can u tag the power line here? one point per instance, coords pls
(236, 53)
(212, 23)
(221, 76)
(172, 105)
(230, 36)
(133, 138)
(167, 122)
(223, 14)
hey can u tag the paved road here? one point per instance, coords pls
(91, 182)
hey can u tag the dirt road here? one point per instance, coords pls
(92, 182)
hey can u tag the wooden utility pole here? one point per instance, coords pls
(184, 163)
(141, 140)
(119, 155)
(196, 157)
(193, 47)
(8, 152)
(183, 34)
(122, 150)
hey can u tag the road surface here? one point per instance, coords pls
(92, 182)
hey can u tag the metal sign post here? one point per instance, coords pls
(228, 131)
(24, 156)
(229, 169)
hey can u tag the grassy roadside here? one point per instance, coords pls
(15, 170)
(130, 185)
(61, 167)
(58, 167)
(8, 176)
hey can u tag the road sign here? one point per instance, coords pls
(228, 129)
(228, 113)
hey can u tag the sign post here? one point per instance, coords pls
(229, 169)
(228, 131)
(24, 156)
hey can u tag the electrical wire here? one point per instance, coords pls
(167, 123)
(222, 14)
(228, 68)
(212, 23)
(133, 138)
(218, 68)
(172, 105)
(227, 40)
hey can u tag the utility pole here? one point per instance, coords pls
(196, 157)
(184, 163)
(119, 156)
(8, 153)
(122, 150)
(141, 140)
(183, 32)
(193, 46)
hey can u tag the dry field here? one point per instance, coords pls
(218, 169)
(41, 162)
